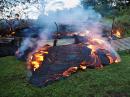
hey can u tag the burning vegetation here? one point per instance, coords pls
(118, 33)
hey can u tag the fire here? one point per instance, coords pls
(96, 44)
(36, 59)
(92, 47)
(39, 57)
(13, 33)
(35, 65)
(93, 53)
(118, 34)
(99, 41)
(83, 65)
(110, 59)
(118, 60)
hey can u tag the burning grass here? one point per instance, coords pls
(112, 81)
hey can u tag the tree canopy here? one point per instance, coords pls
(107, 6)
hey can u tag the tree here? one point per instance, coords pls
(12, 12)
(13, 7)
(107, 5)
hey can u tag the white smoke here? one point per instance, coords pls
(68, 12)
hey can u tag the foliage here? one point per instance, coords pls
(107, 7)
(9, 6)
(16, 8)
(111, 81)
(125, 21)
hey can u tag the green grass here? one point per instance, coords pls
(111, 81)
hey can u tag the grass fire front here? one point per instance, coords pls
(111, 81)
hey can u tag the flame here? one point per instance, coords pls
(39, 57)
(35, 64)
(118, 60)
(83, 65)
(36, 59)
(13, 33)
(92, 47)
(110, 59)
(95, 44)
(118, 34)
(99, 41)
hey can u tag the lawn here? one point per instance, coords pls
(111, 81)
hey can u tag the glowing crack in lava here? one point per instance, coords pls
(50, 63)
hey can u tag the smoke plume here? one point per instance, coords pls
(67, 12)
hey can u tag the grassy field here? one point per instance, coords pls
(111, 81)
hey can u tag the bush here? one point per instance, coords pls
(124, 19)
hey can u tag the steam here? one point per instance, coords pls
(66, 12)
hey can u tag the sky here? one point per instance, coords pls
(44, 6)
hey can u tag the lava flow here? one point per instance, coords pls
(50, 63)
